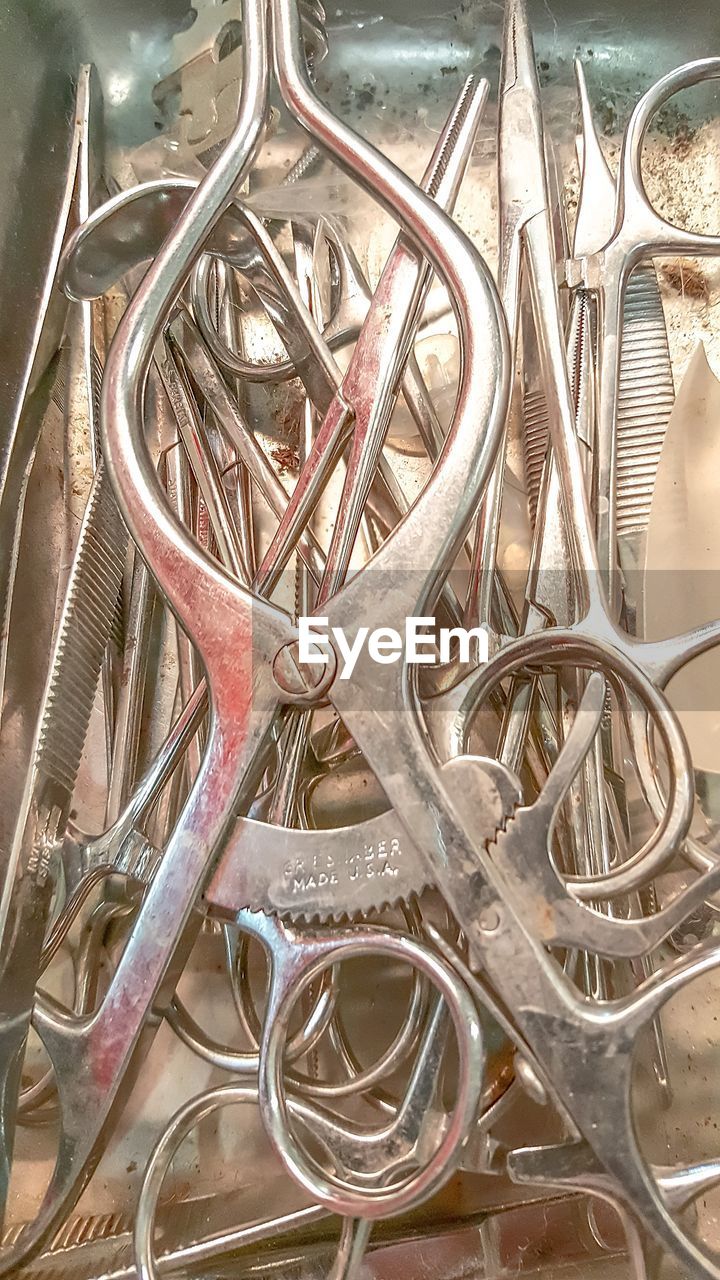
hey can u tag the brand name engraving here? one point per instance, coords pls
(322, 871)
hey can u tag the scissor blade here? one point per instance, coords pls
(596, 201)
(521, 154)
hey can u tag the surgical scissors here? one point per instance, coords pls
(376, 1159)
(324, 1016)
(297, 959)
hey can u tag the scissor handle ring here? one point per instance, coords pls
(180, 1126)
(389, 1200)
(245, 1061)
(632, 183)
(161, 1157)
(326, 1017)
(554, 647)
(364, 1079)
(272, 371)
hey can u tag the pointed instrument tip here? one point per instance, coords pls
(583, 99)
(596, 200)
(518, 61)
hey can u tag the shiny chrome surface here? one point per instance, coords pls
(395, 1044)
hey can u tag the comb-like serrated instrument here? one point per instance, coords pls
(646, 392)
(646, 395)
(85, 623)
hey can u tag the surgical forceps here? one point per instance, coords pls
(428, 803)
(645, 390)
(95, 1041)
(76, 658)
(401, 277)
(34, 332)
(639, 233)
(645, 395)
(84, 627)
(593, 622)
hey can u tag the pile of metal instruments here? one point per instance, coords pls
(422, 919)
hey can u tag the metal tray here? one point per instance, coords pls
(393, 70)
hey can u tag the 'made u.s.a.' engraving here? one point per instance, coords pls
(320, 875)
(344, 878)
(304, 876)
(323, 874)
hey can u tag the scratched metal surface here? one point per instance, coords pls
(393, 70)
